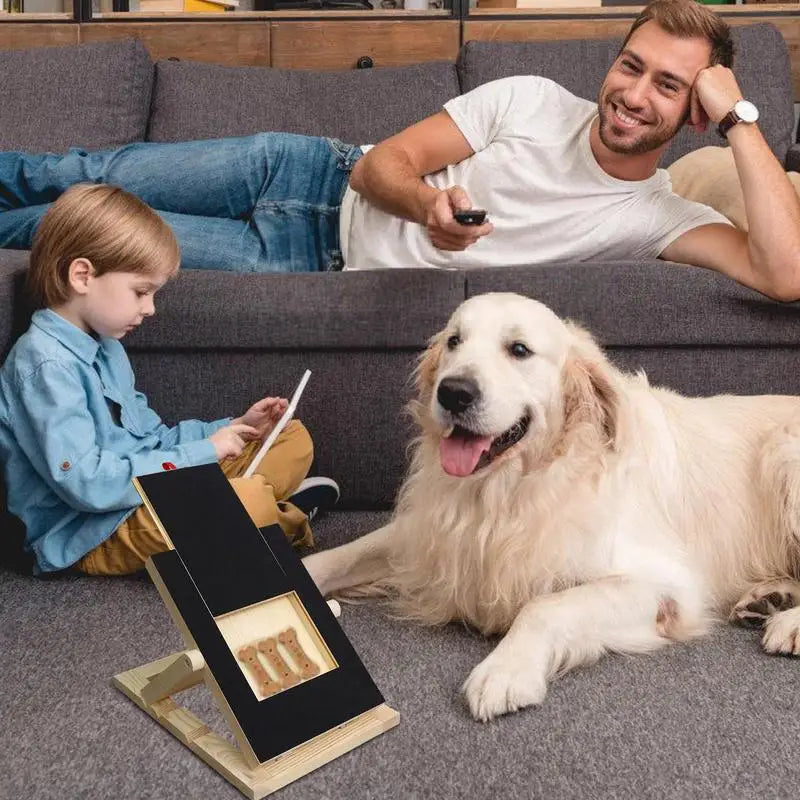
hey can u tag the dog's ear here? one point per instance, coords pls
(424, 380)
(590, 397)
(428, 366)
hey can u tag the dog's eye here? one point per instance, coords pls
(453, 342)
(519, 350)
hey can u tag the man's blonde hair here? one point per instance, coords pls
(686, 19)
(110, 227)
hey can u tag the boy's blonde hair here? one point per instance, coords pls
(687, 19)
(110, 227)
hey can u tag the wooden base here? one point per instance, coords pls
(149, 686)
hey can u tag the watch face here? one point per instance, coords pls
(746, 111)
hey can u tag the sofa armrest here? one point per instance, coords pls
(792, 162)
(13, 313)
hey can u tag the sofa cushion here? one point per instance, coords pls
(360, 106)
(687, 328)
(89, 95)
(375, 309)
(651, 303)
(761, 66)
(579, 65)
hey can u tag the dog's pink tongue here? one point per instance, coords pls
(459, 456)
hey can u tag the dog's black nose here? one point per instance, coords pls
(457, 394)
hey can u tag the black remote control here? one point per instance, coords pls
(470, 216)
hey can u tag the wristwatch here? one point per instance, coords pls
(743, 111)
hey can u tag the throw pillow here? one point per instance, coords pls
(708, 175)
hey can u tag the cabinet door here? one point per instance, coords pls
(533, 30)
(21, 35)
(230, 43)
(340, 44)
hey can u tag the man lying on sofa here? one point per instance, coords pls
(561, 177)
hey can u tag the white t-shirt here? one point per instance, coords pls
(534, 172)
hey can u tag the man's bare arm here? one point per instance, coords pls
(390, 177)
(720, 247)
(390, 174)
(768, 257)
(773, 214)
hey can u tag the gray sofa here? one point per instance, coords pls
(714, 718)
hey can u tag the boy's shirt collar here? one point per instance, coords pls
(82, 344)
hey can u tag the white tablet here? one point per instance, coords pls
(280, 425)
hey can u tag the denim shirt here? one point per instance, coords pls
(73, 432)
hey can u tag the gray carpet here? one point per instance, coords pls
(711, 719)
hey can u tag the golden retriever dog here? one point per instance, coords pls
(576, 509)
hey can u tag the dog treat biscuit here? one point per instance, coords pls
(269, 647)
(307, 667)
(266, 685)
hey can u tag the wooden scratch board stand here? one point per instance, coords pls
(258, 633)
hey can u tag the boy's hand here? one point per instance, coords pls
(444, 230)
(230, 440)
(263, 415)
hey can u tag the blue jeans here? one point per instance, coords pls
(263, 203)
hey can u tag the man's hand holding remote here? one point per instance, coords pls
(445, 231)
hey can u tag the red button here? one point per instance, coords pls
(168, 465)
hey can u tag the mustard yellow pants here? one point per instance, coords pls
(263, 494)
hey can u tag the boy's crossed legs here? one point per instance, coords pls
(264, 494)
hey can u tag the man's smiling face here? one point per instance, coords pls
(644, 99)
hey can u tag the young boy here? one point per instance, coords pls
(73, 428)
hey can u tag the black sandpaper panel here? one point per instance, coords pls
(223, 551)
(274, 724)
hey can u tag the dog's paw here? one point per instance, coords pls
(500, 685)
(765, 600)
(782, 633)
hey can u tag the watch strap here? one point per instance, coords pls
(727, 122)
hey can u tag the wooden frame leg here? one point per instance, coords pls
(150, 686)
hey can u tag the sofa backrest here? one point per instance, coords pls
(98, 95)
(362, 106)
(89, 95)
(761, 66)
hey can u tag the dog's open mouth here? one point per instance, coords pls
(463, 452)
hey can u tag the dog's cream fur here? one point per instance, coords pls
(627, 515)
